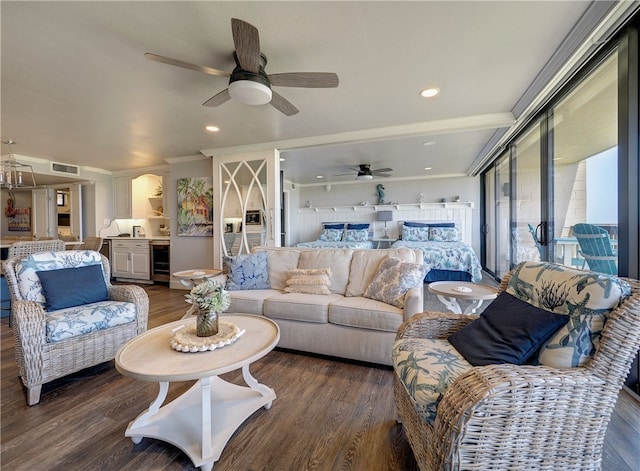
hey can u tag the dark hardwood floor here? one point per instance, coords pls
(328, 415)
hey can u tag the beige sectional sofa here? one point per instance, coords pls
(343, 323)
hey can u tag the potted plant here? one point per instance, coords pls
(209, 299)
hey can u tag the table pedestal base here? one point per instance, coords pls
(453, 305)
(202, 420)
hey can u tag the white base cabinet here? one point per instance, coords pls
(131, 259)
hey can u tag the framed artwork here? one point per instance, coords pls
(195, 207)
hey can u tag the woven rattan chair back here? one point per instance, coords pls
(34, 246)
(91, 243)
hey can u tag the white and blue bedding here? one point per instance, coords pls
(447, 257)
(338, 244)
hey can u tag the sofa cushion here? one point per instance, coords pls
(338, 260)
(426, 368)
(29, 282)
(364, 264)
(247, 271)
(393, 279)
(279, 261)
(80, 320)
(508, 331)
(586, 297)
(300, 307)
(68, 287)
(365, 313)
(250, 301)
(309, 280)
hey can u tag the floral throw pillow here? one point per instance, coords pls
(356, 235)
(247, 271)
(393, 279)
(331, 235)
(415, 234)
(444, 234)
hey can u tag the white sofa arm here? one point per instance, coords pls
(413, 301)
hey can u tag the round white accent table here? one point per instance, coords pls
(448, 292)
(202, 420)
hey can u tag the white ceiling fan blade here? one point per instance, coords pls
(187, 65)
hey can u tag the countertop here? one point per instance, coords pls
(139, 238)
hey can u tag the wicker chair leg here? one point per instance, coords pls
(33, 394)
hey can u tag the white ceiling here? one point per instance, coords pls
(77, 89)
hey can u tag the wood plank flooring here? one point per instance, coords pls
(328, 415)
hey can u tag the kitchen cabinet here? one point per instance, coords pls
(138, 198)
(122, 197)
(130, 259)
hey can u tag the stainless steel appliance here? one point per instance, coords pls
(160, 258)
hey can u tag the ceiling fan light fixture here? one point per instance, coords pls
(250, 92)
(364, 177)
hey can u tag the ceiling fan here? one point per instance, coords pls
(249, 83)
(365, 172)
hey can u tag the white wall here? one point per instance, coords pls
(398, 191)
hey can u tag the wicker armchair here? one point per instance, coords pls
(42, 359)
(34, 246)
(521, 417)
(91, 243)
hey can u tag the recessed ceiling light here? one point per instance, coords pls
(428, 143)
(319, 176)
(429, 92)
(282, 159)
(212, 128)
(428, 168)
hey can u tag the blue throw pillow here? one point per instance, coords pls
(357, 226)
(247, 271)
(69, 287)
(442, 224)
(334, 226)
(415, 224)
(508, 331)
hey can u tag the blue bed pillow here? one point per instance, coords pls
(247, 271)
(69, 287)
(415, 224)
(331, 235)
(508, 331)
(358, 226)
(333, 226)
(442, 224)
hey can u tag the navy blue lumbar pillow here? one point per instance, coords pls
(357, 226)
(334, 226)
(508, 331)
(69, 287)
(442, 224)
(415, 224)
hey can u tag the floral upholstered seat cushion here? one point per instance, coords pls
(426, 367)
(586, 297)
(80, 320)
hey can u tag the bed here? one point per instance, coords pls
(449, 258)
(342, 235)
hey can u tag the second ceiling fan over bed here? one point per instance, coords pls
(249, 83)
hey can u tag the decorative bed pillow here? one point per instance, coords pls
(508, 331)
(331, 235)
(442, 224)
(358, 226)
(415, 224)
(444, 234)
(309, 281)
(393, 279)
(356, 235)
(69, 287)
(333, 226)
(415, 234)
(248, 271)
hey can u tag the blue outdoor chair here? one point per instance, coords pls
(595, 247)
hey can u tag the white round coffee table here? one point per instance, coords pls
(202, 420)
(448, 292)
(190, 278)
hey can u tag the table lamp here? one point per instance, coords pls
(384, 216)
